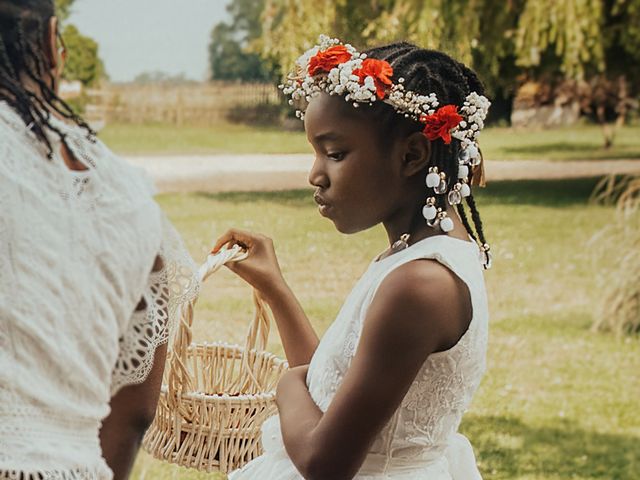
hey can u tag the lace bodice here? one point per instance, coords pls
(432, 409)
(77, 251)
(421, 439)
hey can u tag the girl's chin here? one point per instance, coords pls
(346, 228)
(341, 224)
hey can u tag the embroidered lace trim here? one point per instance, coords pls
(168, 288)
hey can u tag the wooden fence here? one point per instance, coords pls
(188, 104)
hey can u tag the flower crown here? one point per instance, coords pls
(339, 69)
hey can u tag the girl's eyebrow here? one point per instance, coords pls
(328, 136)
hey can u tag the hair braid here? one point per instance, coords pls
(424, 72)
(23, 29)
(58, 104)
(465, 221)
(475, 216)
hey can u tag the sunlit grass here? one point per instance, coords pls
(558, 401)
(577, 143)
(193, 140)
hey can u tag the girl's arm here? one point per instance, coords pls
(133, 406)
(298, 337)
(132, 411)
(261, 270)
(420, 308)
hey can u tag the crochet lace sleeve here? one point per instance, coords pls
(168, 288)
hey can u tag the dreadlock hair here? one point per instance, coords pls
(424, 72)
(24, 29)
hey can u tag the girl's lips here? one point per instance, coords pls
(323, 207)
(324, 210)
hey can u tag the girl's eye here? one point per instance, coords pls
(337, 156)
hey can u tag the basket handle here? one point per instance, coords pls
(178, 378)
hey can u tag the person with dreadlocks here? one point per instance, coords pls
(381, 396)
(89, 271)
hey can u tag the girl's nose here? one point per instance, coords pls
(318, 176)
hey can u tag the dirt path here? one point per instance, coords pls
(223, 173)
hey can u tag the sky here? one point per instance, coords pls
(136, 36)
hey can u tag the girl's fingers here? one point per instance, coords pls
(233, 237)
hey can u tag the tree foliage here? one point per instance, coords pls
(230, 50)
(458, 27)
(595, 42)
(570, 30)
(63, 8)
(83, 62)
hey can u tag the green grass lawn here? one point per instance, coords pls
(558, 401)
(577, 143)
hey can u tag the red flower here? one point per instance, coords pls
(440, 124)
(379, 70)
(328, 59)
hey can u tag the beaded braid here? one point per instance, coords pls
(424, 72)
(23, 28)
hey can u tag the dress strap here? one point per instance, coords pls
(460, 256)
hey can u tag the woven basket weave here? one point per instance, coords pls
(216, 395)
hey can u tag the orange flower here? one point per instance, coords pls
(379, 70)
(328, 59)
(440, 124)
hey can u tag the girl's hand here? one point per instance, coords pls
(260, 269)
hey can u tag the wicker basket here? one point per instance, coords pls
(216, 395)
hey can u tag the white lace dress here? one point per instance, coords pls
(421, 440)
(77, 251)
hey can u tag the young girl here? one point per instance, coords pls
(382, 395)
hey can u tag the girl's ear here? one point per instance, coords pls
(417, 154)
(51, 50)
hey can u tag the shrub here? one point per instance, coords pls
(617, 253)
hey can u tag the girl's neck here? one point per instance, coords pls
(411, 221)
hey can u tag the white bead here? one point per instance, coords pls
(465, 190)
(463, 171)
(429, 212)
(473, 152)
(446, 224)
(433, 180)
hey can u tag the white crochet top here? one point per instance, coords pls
(77, 251)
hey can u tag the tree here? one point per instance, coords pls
(229, 58)
(593, 43)
(230, 51)
(63, 9)
(477, 32)
(83, 62)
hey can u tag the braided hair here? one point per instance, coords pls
(24, 29)
(424, 72)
